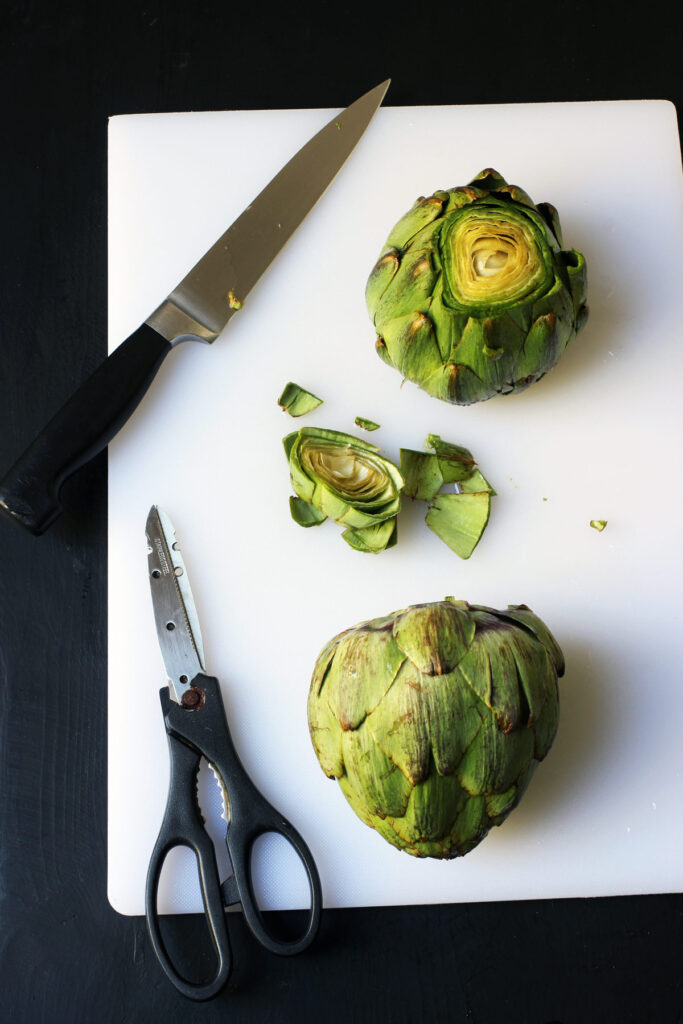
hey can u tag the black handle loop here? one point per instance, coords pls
(250, 814)
(182, 826)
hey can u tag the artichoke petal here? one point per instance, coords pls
(421, 473)
(378, 781)
(460, 519)
(305, 514)
(379, 658)
(296, 401)
(434, 637)
(375, 538)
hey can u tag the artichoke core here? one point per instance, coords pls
(346, 471)
(491, 260)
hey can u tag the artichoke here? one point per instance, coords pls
(344, 478)
(473, 294)
(433, 719)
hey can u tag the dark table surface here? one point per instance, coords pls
(65, 955)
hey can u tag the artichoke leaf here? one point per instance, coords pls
(296, 401)
(460, 519)
(305, 514)
(366, 424)
(422, 474)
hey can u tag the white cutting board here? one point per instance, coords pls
(598, 438)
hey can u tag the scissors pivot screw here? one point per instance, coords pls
(193, 699)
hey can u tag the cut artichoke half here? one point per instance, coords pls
(342, 477)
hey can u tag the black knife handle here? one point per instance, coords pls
(29, 493)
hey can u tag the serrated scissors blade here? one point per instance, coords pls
(175, 614)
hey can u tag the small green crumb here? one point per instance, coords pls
(234, 302)
(598, 524)
(360, 421)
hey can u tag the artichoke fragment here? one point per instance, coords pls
(459, 518)
(473, 295)
(297, 401)
(344, 478)
(366, 424)
(598, 524)
(433, 719)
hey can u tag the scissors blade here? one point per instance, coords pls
(175, 613)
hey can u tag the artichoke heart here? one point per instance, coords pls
(473, 295)
(433, 719)
(344, 478)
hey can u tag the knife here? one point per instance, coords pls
(197, 309)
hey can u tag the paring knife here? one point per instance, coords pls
(196, 310)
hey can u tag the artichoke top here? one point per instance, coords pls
(473, 295)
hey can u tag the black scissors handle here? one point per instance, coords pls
(182, 825)
(204, 732)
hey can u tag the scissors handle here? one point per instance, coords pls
(204, 731)
(182, 825)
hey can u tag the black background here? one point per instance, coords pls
(65, 955)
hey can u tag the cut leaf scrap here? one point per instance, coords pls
(598, 524)
(361, 421)
(460, 518)
(296, 401)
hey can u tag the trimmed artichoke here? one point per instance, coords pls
(473, 295)
(434, 718)
(344, 478)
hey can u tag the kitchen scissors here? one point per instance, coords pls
(197, 727)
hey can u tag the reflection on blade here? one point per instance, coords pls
(174, 608)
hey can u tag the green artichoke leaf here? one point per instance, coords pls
(366, 424)
(375, 538)
(326, 736)
(381, 785)
(453, 719)
(434, 803)
(494, 760)
(376, 657)
(421, 473)
(481, 263)
(434, 636)
(459, 519)
(296, 401)
(305, 514)
(476, 482)
(399, 726)
(456, 463)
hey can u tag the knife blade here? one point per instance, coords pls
(197, 309)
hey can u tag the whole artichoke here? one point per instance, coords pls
(473, 295)
(344, 478)
(434, 717)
